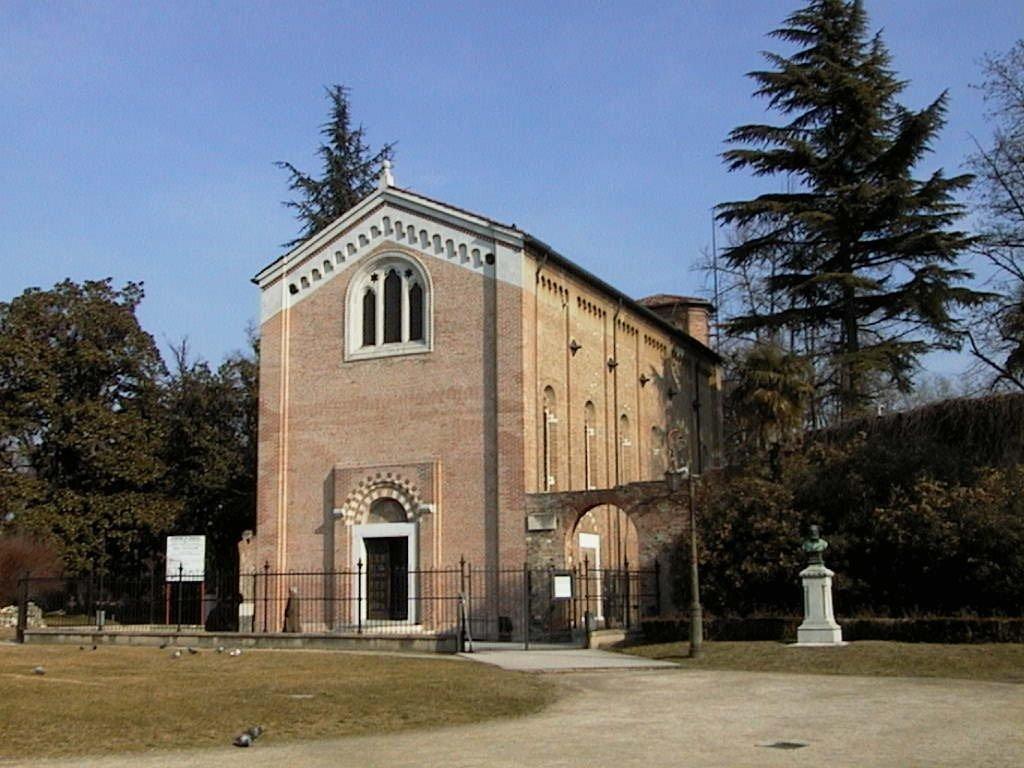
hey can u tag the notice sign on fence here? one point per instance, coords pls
(186, 558)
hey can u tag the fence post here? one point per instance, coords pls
(152, 595)
(100, 612)
(469, 580)
(586, 595)
(22, 606)
(89, 602)
(526, 606)
(266, 595)
(657, 586)
(181, 572)
(255, 597)
(359, 596)
(462, 604)
(625, 595)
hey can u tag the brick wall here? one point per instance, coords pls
(457, 408)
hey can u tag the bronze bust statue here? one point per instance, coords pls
(814, 546)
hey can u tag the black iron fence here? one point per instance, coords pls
(500, 604)
(146, 600)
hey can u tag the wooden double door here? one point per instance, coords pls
(387, 578)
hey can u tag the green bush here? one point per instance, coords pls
(782, 629)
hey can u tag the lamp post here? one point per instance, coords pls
(672, 477)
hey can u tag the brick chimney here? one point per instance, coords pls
(687, 313)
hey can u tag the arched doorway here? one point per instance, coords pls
(604, 551)
(385, 550)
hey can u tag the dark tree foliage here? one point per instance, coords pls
(210, 448)
(861, 251)
(81, 428)
(923, 512)
(349, 170)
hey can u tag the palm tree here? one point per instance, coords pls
(771, 392)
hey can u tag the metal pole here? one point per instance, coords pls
(625, 595)
(469, 600)
(266, 596)
(152, 595)
(359, 596)
(696, 614)
(99, 615)
(657, 586)
(22, 607)
(586, 596)
(526, 607)
(255, 592)
(180, 573)
(462, 603)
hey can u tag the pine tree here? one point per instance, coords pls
(868, 260)
(349, 170)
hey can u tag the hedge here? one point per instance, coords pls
(940, 629)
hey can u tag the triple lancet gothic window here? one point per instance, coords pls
(389, 310)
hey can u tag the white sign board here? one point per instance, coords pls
(562, 586)
(186, 558)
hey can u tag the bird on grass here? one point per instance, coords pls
(176, 655)
(163, 645)
(248, 736)
(235, 652)
(95, 647)
(220, 649)
(38, 671)
(192, 651)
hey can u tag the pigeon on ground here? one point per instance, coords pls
(192, 651)
(81, 647)
(95, 647)
(38, 671)
(176, 655)
(235, 652)
(220, 649)
(248, 736)
(163, 645)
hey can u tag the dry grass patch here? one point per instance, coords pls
(122, 699)
(1002, 662)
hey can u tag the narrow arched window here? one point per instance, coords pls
(589, 433)
(369, 318)
(392, 307)
(388, 309)
(625, 450)
(415, 312)
(549, 441)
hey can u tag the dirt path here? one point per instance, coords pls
(693, 719)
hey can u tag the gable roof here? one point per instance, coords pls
(486, 226)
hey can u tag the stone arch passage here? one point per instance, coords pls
(659, 515)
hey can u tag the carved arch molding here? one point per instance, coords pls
(355, 490)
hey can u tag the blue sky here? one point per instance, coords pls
(137, 140)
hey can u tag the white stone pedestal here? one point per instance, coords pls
(819, 626)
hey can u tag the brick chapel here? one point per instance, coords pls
(426, 371)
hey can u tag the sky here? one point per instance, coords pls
(138, 140)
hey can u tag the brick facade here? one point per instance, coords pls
(455, 432)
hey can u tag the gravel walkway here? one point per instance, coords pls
(693, 719)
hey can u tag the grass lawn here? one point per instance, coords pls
(1002, 662)
(120, 699)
